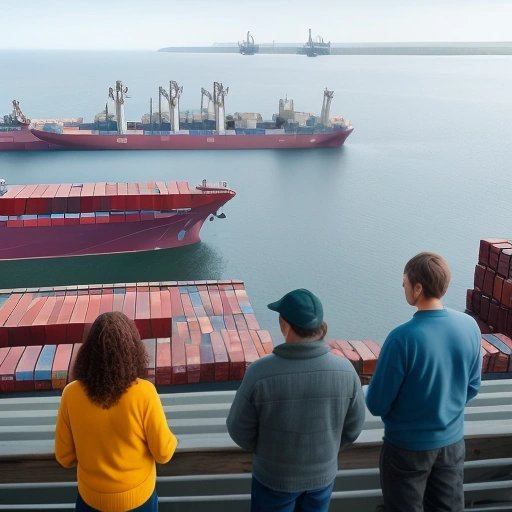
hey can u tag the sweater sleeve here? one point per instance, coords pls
(387, 379)
(161, 441)
(65, 452)
(475, 375)
(354, 420)
(242, 420)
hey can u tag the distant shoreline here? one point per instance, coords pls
(495, 48)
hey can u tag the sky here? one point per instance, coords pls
(154, 24)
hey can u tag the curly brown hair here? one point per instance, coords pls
(110, 359)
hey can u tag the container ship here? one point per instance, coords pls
(72, 219)
(15, 134)
(210, 128)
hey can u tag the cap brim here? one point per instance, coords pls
(274, 306)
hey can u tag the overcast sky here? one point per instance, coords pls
(153, 24)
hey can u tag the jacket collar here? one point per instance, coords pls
(305, 350)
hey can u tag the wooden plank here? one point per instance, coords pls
(118, 300)
(221, 357)
(163, 362)
(266, 340)
(74, 353)
(350, 353)
(61, 365)
(38, 329)
(207, 359)
(178, 357)
(13, 335)
(193, 363)
(206, 302)
(257, 343)
(24, 377)
(107, 300)
(492, 352)
(508, 342)
(188, 309)
(369, 361)
(75, 329)
(150, 345)
(250, 351)
(49, 328)
(215, 298)
(252, 322)
(60, 329)
(195, 332)
(176, 305)
(5, 311)
(142, 312)
(43, 369)
(160, 326)
(236, 354)
(130, 302)
(8, 369)
(241, 324)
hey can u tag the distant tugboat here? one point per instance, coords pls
(315, 47)
(248, 47)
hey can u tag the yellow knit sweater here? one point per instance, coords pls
(115, 449)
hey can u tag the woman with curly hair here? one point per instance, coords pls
(111, 423)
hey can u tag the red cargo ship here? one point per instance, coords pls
(15, 134)
(40, 221)
(210, 128)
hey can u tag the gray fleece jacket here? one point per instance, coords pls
(293, 410)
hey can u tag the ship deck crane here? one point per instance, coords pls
(118, 96)
(18, 115)
(219, 93)
(326, 107)
(208, 95)
(173, 98)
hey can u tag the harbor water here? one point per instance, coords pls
(426, 168)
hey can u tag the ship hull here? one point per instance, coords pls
(89, 239)
(22, 140)
(330, 139)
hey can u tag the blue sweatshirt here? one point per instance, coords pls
(428, 369)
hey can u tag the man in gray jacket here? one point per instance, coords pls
(294, 409)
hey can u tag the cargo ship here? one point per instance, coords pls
(315, 47)
(15, 134)
(248, 47)
(73, 219)
(209, 128)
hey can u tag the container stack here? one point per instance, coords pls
(490, 302)
(193, 331)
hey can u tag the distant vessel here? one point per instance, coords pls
(209, 128)
(248, 47)
(315, 47)
(15, 134)
(71, 219)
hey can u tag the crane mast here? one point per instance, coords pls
(219, 94)
(326, 107)
(208, 95)
(118, 97)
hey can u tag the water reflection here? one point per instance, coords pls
(196, 262)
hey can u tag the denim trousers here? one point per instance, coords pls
(422, 481)
(151, 505)
(264, 499)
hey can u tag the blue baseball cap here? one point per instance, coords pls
(301, 308)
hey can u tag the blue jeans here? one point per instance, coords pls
(264, 499)
(151, 505)
(422, 481)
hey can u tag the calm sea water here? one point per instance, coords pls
(427, 168)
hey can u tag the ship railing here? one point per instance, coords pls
(210, 473)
